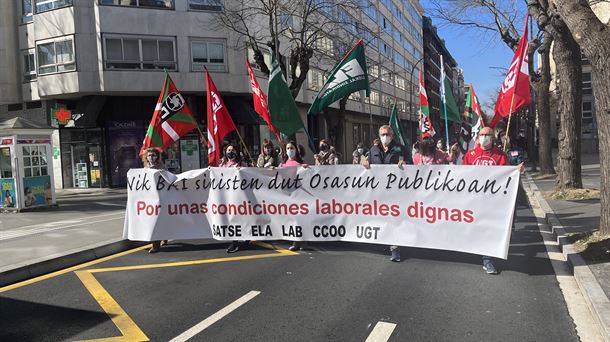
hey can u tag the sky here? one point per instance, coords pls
(484, 57)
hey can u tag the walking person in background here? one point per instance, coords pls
(153, 160)
(388, 152)
(327, 154)
(232, 158)
(487, 154)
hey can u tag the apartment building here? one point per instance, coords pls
(102, 62)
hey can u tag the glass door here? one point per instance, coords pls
(95, 166)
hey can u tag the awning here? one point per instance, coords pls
(242, 112)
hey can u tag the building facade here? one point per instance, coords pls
(102, 62)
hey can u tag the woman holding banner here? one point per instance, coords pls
(268, 158)
(232, 158)
(428, 154)
(153, 160)
(294, 158)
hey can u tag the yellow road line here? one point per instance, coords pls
(70, 269)
(129, 329)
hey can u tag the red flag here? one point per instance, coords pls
(219, 121)
(515, 92)
(171, 119)
(425, 125)
(260, 101)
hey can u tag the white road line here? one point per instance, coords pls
(16, 233)
(381, 332)
(54, 223)
(201, 326)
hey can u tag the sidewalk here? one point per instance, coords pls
(85, 225)
(572, 217)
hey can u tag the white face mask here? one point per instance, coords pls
(485, 141)
(361, 150)
(386, 140)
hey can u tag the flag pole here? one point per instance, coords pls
(508, 125)
(444, 103)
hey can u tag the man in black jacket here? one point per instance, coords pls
(389, 152)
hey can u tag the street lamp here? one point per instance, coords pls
(411, 85)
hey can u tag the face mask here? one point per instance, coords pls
(439, 146)
(291, 153)
(231, 155)
(323, 147)
(361, 150)
(485, 141)
(386, 140)
(151, 159)
(269, 151)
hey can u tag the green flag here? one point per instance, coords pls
(453, 113)
(348, 76)
(395, 124)
(282, 109)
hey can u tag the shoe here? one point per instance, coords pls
(153, 250)
(233, 247)
(489, 268)
(395, 255)
(163, 242)
(293, 247)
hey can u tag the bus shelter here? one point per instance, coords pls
(26, 170)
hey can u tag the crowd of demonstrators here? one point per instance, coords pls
(388, 151)
(327, 154)
(269, 157)
(152, 160)
(360, 154)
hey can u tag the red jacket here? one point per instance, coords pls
(492, 157)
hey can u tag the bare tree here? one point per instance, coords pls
(594, 38)
(498, 17)
(567, 57)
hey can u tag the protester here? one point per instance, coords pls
(440, 144)
(415, 148)
(327, 154)
(360, 154)
(429, 155)
(294, 159)
(268, 158)
(152, 160)
(388, 152)
(232, 158)
(486, 154)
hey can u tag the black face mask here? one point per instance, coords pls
(269, 151)
(231, 155)
(323, 147)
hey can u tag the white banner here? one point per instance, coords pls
(460, 208)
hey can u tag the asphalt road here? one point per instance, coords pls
(333, 292)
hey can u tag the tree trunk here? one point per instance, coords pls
(594, 38)
(545, 155)
(566, 54)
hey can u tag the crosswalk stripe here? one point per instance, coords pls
(381, 332)
(201, 326)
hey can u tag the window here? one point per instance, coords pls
(56, 56)
(374, 71)
(386, 100)
(586, 84)
(139, 53)
(315, 80)
(26, 11)
(355, 96)
(141, 3)
(210, 54)
(401, 105)
(29, 65)
(33, 105)
(35, 161)
(14, 107)
(587, 126)
(373, 99)
(370, 10)
(323, 44)
(48, 5)
(386, 75)
(400, 82)
(6, 167)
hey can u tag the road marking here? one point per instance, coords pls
(70, 269)
(381, 332)
(127, 327)
(49, 227)
(201, 326)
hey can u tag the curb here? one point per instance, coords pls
(37, 267)
(594, 295)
